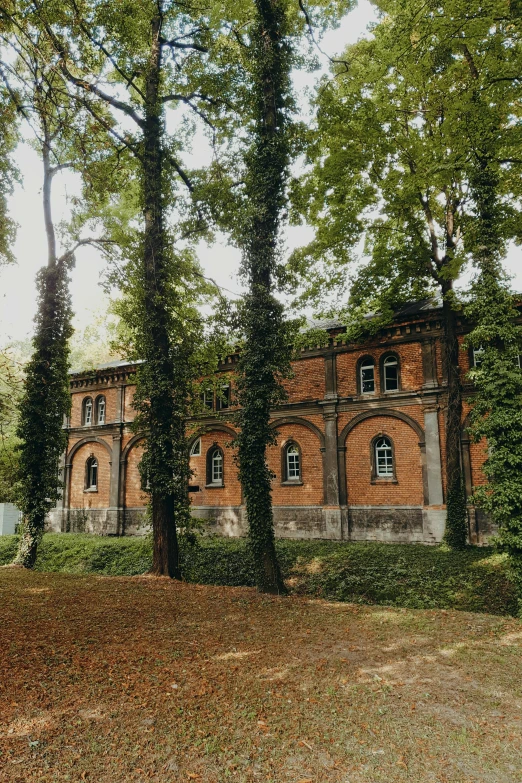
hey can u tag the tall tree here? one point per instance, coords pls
(391, 159)
(490, 121)
(139, 58)
(265, 357)
(62, 137)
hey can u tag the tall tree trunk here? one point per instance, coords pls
(266, 354)
(156, 377)
(456, 523)
(46, 398)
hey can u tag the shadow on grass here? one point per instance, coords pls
(411, 576)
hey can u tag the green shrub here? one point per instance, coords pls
(412, 576)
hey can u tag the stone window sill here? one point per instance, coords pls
(292, 483)
(91, 489)
(214, 485)
(383, 480)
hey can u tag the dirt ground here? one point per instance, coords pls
(112, 679)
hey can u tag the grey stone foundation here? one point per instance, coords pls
(392, 524)
(397, 524)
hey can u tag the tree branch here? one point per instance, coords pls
(82, 242)
(176, 44)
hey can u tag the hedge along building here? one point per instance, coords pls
(359, 452)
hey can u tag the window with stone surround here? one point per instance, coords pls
(366, 375)
(91, 474)
(87, 410)
(291, 463)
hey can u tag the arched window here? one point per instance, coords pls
(383, 459)
(292, 462)
(87, 411)
(195, 451)
(215, 466)
(367, 375)
(100, 410)
(390, 373)
(91, 473)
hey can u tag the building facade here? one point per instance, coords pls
(359, 451)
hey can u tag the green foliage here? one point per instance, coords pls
(45, 402)
(416, 577)
(11, 382)
(8, 172)
(456, 532)
(497, 408)
(399, 131)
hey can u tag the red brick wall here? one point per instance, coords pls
(311, 491)
(128, 411)
(78, 497)
(308, 382)
(478, 455)
(464, 359)
(111, 395)
(411, 375)
(230, 493)
(134, 497)
(409, 489)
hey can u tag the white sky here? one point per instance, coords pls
(17, 287)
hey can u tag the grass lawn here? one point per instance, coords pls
(402, 575)
(142, 679)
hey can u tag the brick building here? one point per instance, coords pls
(359, 454)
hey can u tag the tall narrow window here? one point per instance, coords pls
(87, 411)
(100, 410)
(390, 373)
(207, 398)
(217, 466)
(367, 376)
(383, 458)
(223, 398)
(293, 463)
(91, 473)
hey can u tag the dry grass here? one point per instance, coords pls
(139, 679)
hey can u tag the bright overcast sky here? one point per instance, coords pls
(17, 287)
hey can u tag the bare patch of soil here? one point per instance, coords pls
(133, 680)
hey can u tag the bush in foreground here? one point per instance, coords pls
(412, 576)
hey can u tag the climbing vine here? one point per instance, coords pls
(265, 358)
(497, 411)
(45, 402)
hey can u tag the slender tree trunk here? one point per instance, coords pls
(265, 357)
(158, 371)
(456, 524)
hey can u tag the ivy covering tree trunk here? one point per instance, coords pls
(165, 476)
(497, 411)
(125, 62)
(46, 399)
(456, 531)
(265, 357)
